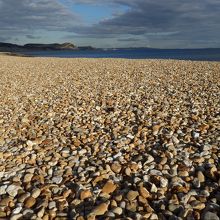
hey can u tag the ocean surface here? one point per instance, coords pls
(140, 53)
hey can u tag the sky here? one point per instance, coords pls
(112, 23)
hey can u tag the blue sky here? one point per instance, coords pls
(92, 14)
(112, 23)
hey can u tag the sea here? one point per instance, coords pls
(135, 53)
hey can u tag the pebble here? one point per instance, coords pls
(196, 135)
(144, 192)
(3, 189)
(40, 213)
(52, 205)
(28, 177)
(109, 187)
(132, 195)
(153, 188)
(109, 139)
(29, 202)
(156, 129)
(35, 193)
(118, 210)
(2, 214)
(150, 159)
(163, 182)
(17, 210)
(119, 154)
(116, 167)
(82, 152)
(12, 190)
(85, 194)
(201, 177)
(210, 216)
(16, 217)
(100, 209)
(110, 214)
(57, 179)
(197, 205)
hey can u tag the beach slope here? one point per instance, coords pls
(109, 139)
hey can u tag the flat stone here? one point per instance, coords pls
(28, 177)
(201, 177)
(210, 216)
(57, 179)
(35, 193)
(109, 187)
(163, 182)
(52, 205)
(12, 190)
(29, 202)
(30, 144)
(85, 194)
(118, 210)
(5, 201)
(197, 205)
(116, 167)
(153, 188)
(132, 195)
(132, 206)
(2, 214)
(150, 159)
(196, 135)
(119, 154)
(17, 210)
(24, 196)
(110, 214)
(155, 172)
(100, 209)
(144, 192)
(40, 213)
(82, 152)
(3, 189)
(16, 217)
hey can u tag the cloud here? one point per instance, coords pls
(3, 39)
(30, 36)
(170, 23)
(131, 39)
(26, 16)
(186, 22)
(104, 2)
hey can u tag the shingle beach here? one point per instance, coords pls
(109, 139)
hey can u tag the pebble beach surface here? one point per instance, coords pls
(109, 139)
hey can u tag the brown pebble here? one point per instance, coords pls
(109, 187)
(29, 202)
(144, 192)
(132, 195)
(200, 177)
(85, 194)
(100, 209)
(116, 167)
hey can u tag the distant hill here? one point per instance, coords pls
(64, 46)
(7, 47)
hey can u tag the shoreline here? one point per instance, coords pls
(16, 54)
(123, 54)
(12, 54)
